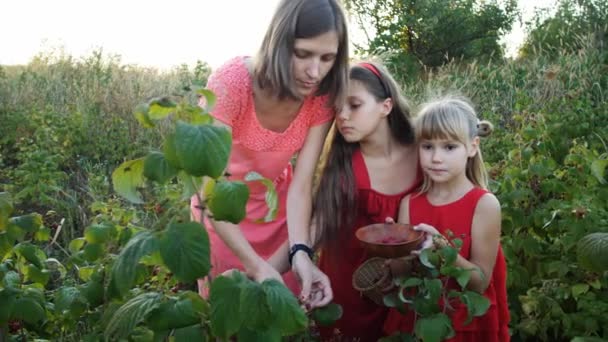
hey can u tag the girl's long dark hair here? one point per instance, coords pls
(335, 201)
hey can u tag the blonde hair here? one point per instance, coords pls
(454, 118)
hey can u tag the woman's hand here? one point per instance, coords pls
(432, 239)
(261, 271)
(316, 289)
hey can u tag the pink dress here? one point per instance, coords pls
(266, 152)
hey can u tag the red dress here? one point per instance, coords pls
(458, 218)
(362, 320)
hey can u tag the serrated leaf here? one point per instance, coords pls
(11, 280)
(592, 252)
(579, 289)
(463, 278)
(287, 315)
(127, 178)
(177, 313)
(228, 201)
(598, 167)
(202, 150)
(411, 282)
(157, 168)
(477, 305)
(225, 299)
(124, 269)
(271, 197)
(161, 108)
(449, 254)
(130, 314)
(93, 292)
(185, 250)
(433, 287)
(30, 222)
(43, 234)
(255, 307)
(191, 184)
(327, 315)
(434, 328)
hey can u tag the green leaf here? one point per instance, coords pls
(598, 167)
(30, 253)
(43, 234)
(169, 151)
(127, 178)
(210, 99)
(411, 282)
(228, 201)
(36, 275)
(8, 301)
(433, 287)
(141, 114)
(434, 328)
(76, 245)
(579, 289)
(271, 198)
(202, 150)
(255, 308)
(185, 250)
(287, 315)
(269, 335)
(93, 251)
(30, 222)
(100, 233)
(124, 269)
(6, 209)
(69, 300)
(449, 254)
(29, 310)
(11, 280)
(175, 314)
(93, 292)
(160, 108)
(157, 168)
(425, 258)
(463, 278)
(130, 314)
(592, 252)
(191, 184)
(189, 334)
(477, 305)
(225, 299)
(327, 315)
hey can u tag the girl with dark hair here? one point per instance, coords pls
(279, 103)
(371, 166)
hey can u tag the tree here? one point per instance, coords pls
(433, 32)
(575, 24)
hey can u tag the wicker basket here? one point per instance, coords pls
(373, 279)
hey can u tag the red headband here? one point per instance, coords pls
(371, 67)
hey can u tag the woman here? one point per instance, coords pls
(277, 104)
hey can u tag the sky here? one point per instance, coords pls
(161, 34)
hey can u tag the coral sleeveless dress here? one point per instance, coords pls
(458, 218)
(362, 319)
(255, 148)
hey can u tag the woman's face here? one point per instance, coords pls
(362, 113)
(312, 59)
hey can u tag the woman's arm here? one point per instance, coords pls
(299, 211)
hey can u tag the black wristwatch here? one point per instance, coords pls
(300, 247)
